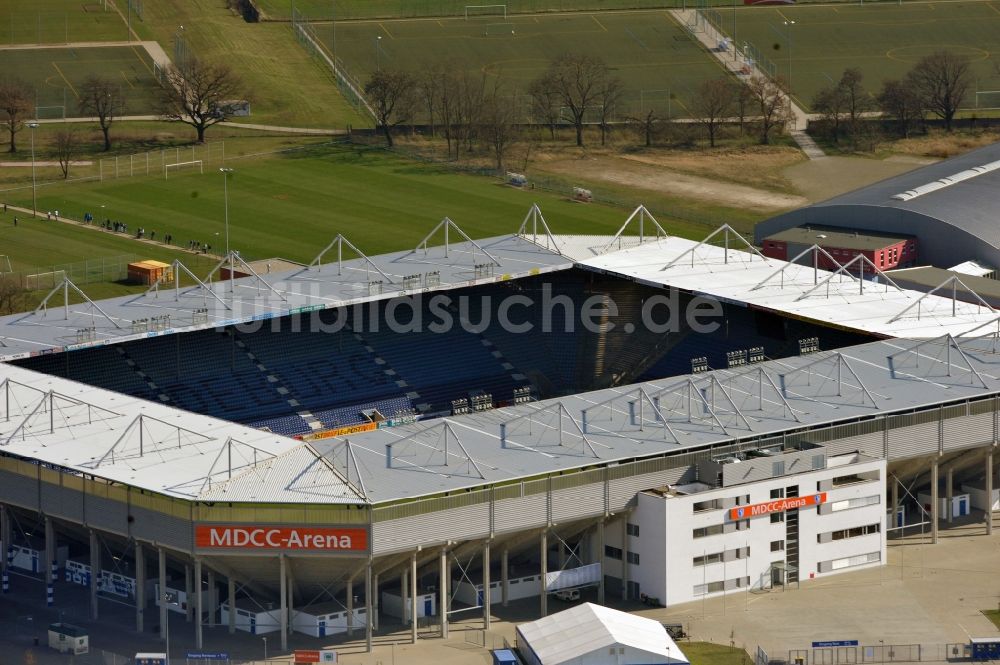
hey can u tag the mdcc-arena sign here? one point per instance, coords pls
(312, 539)
(776, 506)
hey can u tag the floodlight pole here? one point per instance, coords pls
(225, 171)
(378, 52)
(34, 200)
(788, 27)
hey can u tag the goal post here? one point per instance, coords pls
(485, 11)
(44, 280)
(179, 165)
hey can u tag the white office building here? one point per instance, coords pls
(761, 520)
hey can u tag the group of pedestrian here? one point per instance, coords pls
(196, 246)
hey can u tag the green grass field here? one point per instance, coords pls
(659, 62)
(708, 653)
(291, 206)
(883, 40)
(59, 22)
(57, 76)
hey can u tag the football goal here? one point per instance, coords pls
(987, 99)
(183, 167)
(485, 11)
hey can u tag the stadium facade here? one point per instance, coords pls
(674, 488)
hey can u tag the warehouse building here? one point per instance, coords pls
(949, 206)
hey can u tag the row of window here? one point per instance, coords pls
(849, 562)
(616, 553)
(715, 587)
(853, 532)
(719, 557)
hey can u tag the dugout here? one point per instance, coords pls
(148, 272)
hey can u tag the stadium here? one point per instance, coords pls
(302, 453)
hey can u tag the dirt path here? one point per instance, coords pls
(634, 172)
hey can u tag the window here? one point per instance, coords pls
(707, 531)
(743, 500)
(707, 559)
(778, 493)
(632, 529)
(777, 518)
(633, 558)
(853, 532)
(612, 552)
(848, 562)
(851, 479)
(858, 502)
(702, 506)
(711, 587)
(777, 545)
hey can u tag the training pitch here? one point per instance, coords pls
(814, 44)
(60, 21)
(659, 61)
(57, 75)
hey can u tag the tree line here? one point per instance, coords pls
(468, 108)
(195, 92)
(936, 86)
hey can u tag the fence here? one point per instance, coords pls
(350, 86)
(346, 10)
(861, 654)
(486, 639)
(91, 271)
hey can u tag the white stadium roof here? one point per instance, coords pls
(741, 276)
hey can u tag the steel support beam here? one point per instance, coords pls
(350, 606)
(161, 569)
(189, 592)
(989, 491)
(600, 557)
(213, 605)
(369, 608)
(413, 598)
(283, 572)
(486, 585)
(376, 602)
(504, 576)
(949, 493)
(50, 565)
(934, 501)
(543, 583)
(198, 604)
(95, 572)
(140, 588)
(443, 591)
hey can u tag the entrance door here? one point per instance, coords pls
(777, 574)
(963, 507)
(428, 610)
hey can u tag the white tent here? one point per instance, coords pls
(591, 634)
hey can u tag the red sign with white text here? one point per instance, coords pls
(314, 539)
(776, 506)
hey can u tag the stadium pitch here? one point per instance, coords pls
(57, 76)
(884, 40)
(658, 60)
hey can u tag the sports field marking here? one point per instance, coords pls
(636, 38)
(598, 23)
(993, 8)
(977, 53)
(787, 20)
(71, 88)
(124, 76)
(140, 58)
(386, 30)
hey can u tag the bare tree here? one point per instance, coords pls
(101, 98)
(943, 79)
(712, 105)
(647, 122)
(15, 107)
(610, 97)
(447, 104)
(742, 101)
(429, 90)
(856, 98)
(64, 147)
(13, 296)
(579, 81)
(829, 103)
(390, 92)
(499, 121)
(199, 93)
(545, 104)
(771, 101)
(471, 98)
(900, 101)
